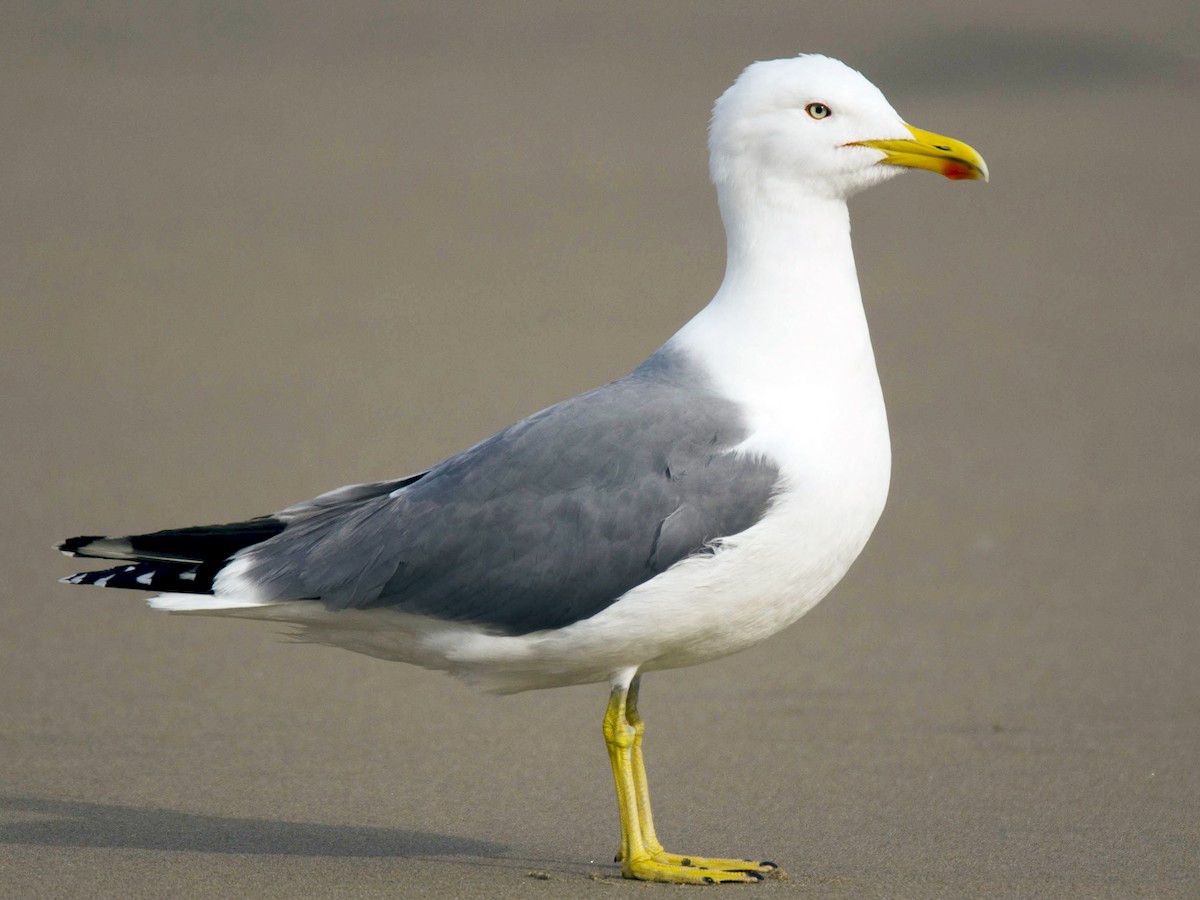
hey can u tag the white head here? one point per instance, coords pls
(811, 126)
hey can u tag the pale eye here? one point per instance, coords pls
(818, 110)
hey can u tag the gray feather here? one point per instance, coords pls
(544, 524)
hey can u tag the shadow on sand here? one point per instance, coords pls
(64, 823)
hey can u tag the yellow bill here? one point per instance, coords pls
(934, 152)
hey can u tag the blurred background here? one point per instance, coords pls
(253, 251)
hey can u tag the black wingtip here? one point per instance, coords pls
(174, 578)
(72, 546)
(102, 579)
(197, 544)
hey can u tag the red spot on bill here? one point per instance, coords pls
(956, 171)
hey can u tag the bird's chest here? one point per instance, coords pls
(834, 474)
(829, 437)
(834, 457)
(835, 467)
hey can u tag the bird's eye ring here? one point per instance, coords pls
(818, 110)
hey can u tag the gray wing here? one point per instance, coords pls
(544, 524)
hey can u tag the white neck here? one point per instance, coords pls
(785, 339)
(787, 322)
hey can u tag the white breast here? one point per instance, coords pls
(827, 433)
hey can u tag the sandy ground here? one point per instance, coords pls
(251, 252)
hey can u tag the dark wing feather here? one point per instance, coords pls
(196, 544)
(185, 560)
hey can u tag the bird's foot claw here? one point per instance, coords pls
(681, 869)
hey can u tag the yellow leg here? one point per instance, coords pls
(641, 787)
(641, 854)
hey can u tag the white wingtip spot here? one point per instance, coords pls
(101, 582)
(144, 578)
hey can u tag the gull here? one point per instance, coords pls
(682, 513)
